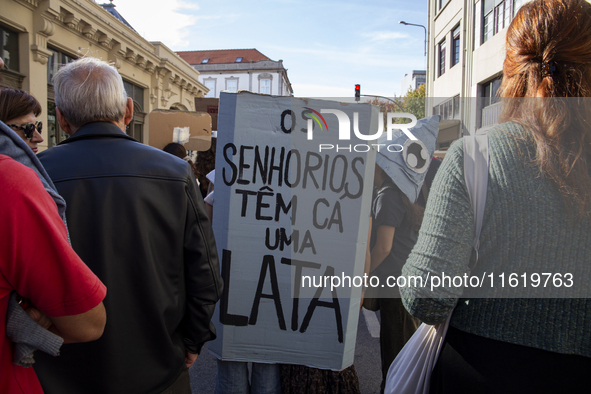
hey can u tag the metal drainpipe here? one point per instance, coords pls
(428, 80)
(465, 108)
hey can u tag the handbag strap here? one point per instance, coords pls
(476, 176)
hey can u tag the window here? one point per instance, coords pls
(210, 84)
(441, 4)
(487, 29)
(503, 16)
(205, 60)
(238, 60)
(441, 58)
(54, 132)
(497, 16)
(135, 93)
(456, 107)
(135, 128)
(491, 107)
(9, 48)
(489, 92)
(55, 61)
(455, 46)
(449, 109)
(137, 131)
(232, 85)
(265, 86)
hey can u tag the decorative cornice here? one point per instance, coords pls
(117, 62)
(30, 4)
(116, 54)
(270, 65)
(150, 67)
(140, 61)
(88, 20)
(103, 39)
(43, 29)
(40, 53)
(130, 55)
(166, 95)
(46, 27)
(163, 71)
(70, 20)
(87, 30)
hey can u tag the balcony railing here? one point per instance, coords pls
(490, 114)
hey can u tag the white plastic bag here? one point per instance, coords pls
(410, 372)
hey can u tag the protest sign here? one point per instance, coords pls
(163, 123)
(210, 106)
(292, 206)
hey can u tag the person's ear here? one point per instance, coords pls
(128, 111)
(64, 124)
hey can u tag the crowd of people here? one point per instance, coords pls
(107, 246)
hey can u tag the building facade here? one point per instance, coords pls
(467, 50)
(239, 69)
(37, 36)
(413, 80)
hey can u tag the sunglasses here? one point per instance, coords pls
(28, 128)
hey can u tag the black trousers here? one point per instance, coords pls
(396, 328)
(472, 364)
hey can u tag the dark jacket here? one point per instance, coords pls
(137, 219)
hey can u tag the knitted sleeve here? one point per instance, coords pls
(444, 245)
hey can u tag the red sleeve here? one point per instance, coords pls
(36, 258)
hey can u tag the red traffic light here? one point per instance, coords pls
(357, 92)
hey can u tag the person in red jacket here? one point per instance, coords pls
(37, 261)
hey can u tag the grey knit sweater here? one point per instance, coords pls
(525, 229)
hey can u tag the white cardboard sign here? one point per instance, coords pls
(284, 210)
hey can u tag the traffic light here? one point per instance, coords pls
(357, 92)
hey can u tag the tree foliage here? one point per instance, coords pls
(413, 102)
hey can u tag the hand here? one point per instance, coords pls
(190, 358)
(39, 317)
(362, 298)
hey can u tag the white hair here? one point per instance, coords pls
(88, 90)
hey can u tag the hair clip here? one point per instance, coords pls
(548, 68)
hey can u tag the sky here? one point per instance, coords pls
(326, 46)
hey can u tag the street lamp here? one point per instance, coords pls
(412, 24)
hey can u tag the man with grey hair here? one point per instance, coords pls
(137, 219)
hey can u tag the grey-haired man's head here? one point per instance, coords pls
(90, 90)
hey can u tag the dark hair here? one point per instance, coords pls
(413, 217)
(179, 151)
(205, 163)
(548, 65)
(17, 103)
(175, 149)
